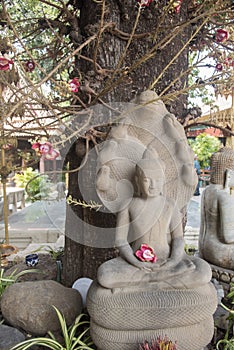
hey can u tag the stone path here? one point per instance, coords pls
(39, 222)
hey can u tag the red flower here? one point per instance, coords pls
(7, 146)
(221, 35)
(45, 148)
(146, 253)
(5, 63)
(74, 85)
(53, 154)
(144, 2)
(219, 67)
(229, 62)
(36, 146)
(30, 66)
(177, 5)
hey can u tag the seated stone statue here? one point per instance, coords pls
(145, 175)
(216, 239)
(149, 235)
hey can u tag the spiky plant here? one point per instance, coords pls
(74, 338)
(6, 281)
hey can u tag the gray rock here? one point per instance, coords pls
(9, 337)
(46, 269)
(28, 305)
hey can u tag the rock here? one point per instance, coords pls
(46, 267)
(28, 306)
(9, 337)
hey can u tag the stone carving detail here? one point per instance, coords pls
(122, 319)
(216, 239)
(145, 175)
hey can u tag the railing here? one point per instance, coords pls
(15, 200)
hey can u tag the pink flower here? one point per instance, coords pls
(229, 62)
(74, 85)
(42, 147)
(45, 148)
(143, 3)
(36, 146)
(177, 5)
(30, 66)
(7, 146)
(5, 63)
(219, 67)
(221, 35)
(53, 154)
(146, 253)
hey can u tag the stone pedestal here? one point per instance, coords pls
(123, 318)
(223, 276)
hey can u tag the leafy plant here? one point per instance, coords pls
(190, 249)
(73, 339)
(204, 146)
(6, 281)
(55, 253)
(225, 343)
(37, 186)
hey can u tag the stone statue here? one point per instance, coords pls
(152, 220)
(145, 175)
(216, 239)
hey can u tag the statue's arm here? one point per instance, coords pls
(177, 243)
(225, 210)
(121, 239)
(122, 228)
(177, 252)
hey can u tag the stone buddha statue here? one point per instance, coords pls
(152, 221)
(216, 239)
(145, 175)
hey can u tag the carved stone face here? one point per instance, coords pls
(142, 183)
(146, 185)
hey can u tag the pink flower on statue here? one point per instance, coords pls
(74, 85)
(221, 35)
(143, 3)
(5, 63)
(146, 253)
(30, 66)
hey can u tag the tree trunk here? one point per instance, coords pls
(143, 63)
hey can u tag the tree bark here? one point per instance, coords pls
(130, 78)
